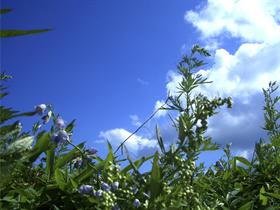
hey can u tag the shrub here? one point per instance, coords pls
(45, 170)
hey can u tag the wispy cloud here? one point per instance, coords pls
(142, 82)
(135, 120)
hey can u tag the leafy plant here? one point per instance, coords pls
(43, 169)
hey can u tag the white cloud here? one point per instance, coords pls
(243, 73)
(245, 153)
(250, 20)
(135, 144)
(142, 82)
(135, 120)
(161, 112)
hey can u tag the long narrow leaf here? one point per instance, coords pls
(13, 33)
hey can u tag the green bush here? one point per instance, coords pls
(45, 170)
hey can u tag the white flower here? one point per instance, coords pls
(60, 123)
(40, 109)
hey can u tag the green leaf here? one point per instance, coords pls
(85, 174)
(275, 140)
(50, 162)
(61, 161)
(70, 126)
(247, 206)
(6, 114)
(4, 11)
(209, 146)
(160, 140)
(59, 178)
(243, 160)
(20, 145)
(262, 197)
(27, 114)
(8, 130)
(42, 144)
(109, 158)
(155, 182)
(273, 195)
(12, 33)
(138, 163)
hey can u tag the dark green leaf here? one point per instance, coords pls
(12, 33)
(155, 182)
(61, 161)
(42, 144)
(59, 178)
(247, 206)
(4, 11)
(243, 160)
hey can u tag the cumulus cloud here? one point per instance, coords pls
(243, 73)
(250, 20)
(136, 144)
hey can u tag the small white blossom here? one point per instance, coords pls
(40, 109)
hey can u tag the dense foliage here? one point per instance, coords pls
(43, 169)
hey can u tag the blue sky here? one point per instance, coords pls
(108, 63)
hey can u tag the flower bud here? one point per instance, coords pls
(115, 185)
(105, 186)
(59, 123)
(219, 165)
(47, 117)
(85, 189)
(60, 137)
(92, 151)
(136, 203)
(40, 109)
(98, 193)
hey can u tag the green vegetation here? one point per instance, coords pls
(43, 169)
